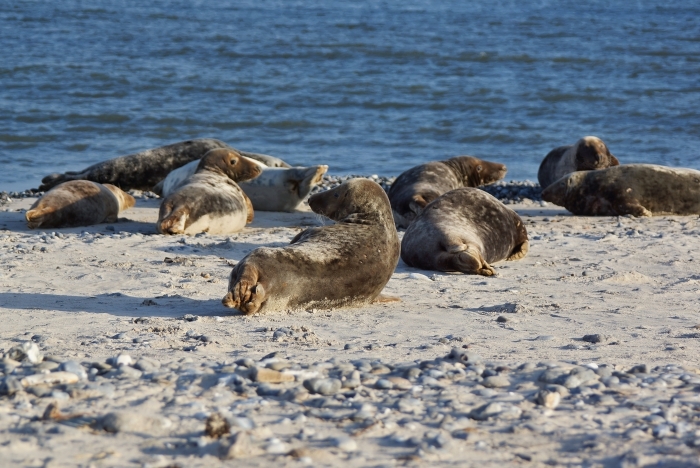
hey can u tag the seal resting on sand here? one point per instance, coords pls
(464, 230)
(345, 264)
(634, 189)
(78, 203)
(585, 155)
(275, 189)
(142, 171)
(210, 200)
(418, 186)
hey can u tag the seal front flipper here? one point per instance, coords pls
(249, 208)
(384, 299)
(634, 209)
(467, 259)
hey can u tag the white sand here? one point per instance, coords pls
(635, 280)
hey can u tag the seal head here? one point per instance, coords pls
(587, 154)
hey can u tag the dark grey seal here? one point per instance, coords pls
(587, 154)
(464, 230)
(143, 171)
(418, 186)
(634, 189)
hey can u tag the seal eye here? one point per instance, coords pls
(233, 161)
(336, 194)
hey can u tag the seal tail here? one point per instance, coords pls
(36, 216)
(174, 223)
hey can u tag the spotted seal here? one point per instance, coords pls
(418, 186)
(210, 200)
(78, 203)
(586, 154)
(344, 264)
(143, 170)
(275, 189)
(464, 230)
(634, 189)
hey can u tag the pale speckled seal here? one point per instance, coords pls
(144, 170)
(464, 230)
(210, 200)
(418, 186)
(78, 203)
(634, 189)
(345, 264)
(587, 154)
(275, 189)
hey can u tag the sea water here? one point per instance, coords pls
(367, 87)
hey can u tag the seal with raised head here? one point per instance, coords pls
(587, 154)
(464, 230)
(78, 203)
(418, 186)
(275, 189)
(634, 189)
(210, 200)
(344, 264)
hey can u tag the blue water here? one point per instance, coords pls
(364, 86)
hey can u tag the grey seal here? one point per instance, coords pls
(634, 189)
(143, 170)
(586, 154)
(418, 186)
(78, 203)
(464, 230)
(344, 264)
(210, 200)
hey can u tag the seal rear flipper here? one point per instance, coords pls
(35, 217)
(519, 251)
(246, 293)
(614, 161)
(466, 259)
(174, 223)
(634, 209)
(158, 188)
(311, 177)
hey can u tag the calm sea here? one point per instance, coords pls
(368, 87)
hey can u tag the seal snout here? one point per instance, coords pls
(556, 192)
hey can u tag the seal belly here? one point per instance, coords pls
(218, 223)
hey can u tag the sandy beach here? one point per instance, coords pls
(584, 353)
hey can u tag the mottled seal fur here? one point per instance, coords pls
(210, 200)
(78, 203)
(585, 155)
(143, 171)
(464, 230)
(634, 189)
(345, 264)
(275, 189)
(418, 186)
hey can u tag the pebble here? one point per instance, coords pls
(495, 381)
(127, 421)
(346, 444)
(52, 378)
(548, 399)
(323, 386)
(74, 367)
(418, 276)
(597, 338)
(261, 374)
(27, 351)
